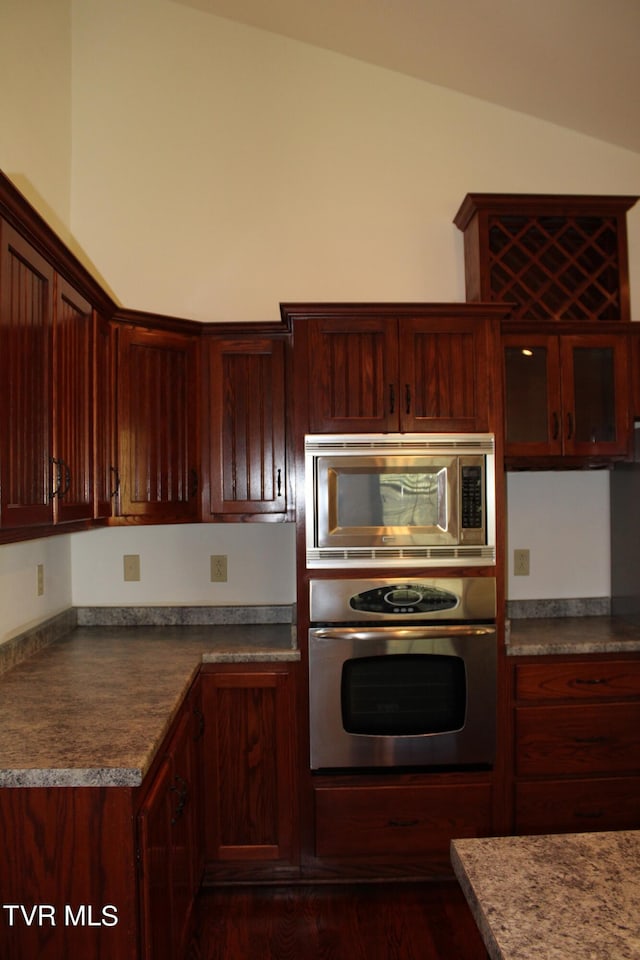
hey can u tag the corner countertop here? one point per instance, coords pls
(92, 708)
(563, 897)
(571, 635)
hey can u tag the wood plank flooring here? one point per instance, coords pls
(402, 921)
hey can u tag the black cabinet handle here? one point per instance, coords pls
(591, 681)
(556, 426)
(180, 787)
(407, 398)
(402, 823)
(569, 426)
(114, 491)
(56, 484)
(193, 482)
(392, 398)
(279, 482)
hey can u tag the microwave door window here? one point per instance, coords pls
(413, 499)
(368, 501)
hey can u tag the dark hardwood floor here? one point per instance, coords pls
(402, 921)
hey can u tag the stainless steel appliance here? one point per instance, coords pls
(402, 673)
(400, 500)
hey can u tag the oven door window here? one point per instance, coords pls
(403, 694)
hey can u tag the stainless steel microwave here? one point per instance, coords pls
(400, 500)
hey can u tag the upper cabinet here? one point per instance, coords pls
(550, 257)
(566, 396)
(560, 264)
(26, 325)
(72, 460)
(395, 367)
(244, 428)
(157, 450)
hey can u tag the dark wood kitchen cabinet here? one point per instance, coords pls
(106, 479)
(170, 841)
(391, 367)
(250, 784)
(117, 868)
(73, 455)
(567, 395)
(376, 826)
(26, 403)
(576, 743)
(46, 397)
(550, 257)
(157, 424)
(245, 434)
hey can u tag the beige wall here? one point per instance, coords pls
(35, 103)
(219, 169)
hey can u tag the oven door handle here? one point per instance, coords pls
(402, 633)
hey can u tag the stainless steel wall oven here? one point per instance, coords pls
(402, 672)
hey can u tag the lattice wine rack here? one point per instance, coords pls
(552, 257)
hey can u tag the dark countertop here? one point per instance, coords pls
(92, 708)
(563, 897)
(567, 635)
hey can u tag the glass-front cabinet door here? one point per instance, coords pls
(566, 395)
(532, 395)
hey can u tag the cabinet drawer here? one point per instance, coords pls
(592, 680)
(375, 821)
(574, 739)
(578, 805)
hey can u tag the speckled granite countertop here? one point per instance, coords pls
(562, 635)
(570, 897)
(92, 708)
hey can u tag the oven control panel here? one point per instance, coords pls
(404, 598)
(425, 599)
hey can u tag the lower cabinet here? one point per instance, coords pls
(576, 743)
(105, 872)
(170, 842)
(398, 828)
(250, 783)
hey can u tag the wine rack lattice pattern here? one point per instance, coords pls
(556, 267)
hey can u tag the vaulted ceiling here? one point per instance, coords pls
(575, 63)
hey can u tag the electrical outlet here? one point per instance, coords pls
(219, 568)
(521, 563)
(40, 580)
(131, 564)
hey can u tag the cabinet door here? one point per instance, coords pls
(595, 384)
(170, 847)
(532, 395)
(250, 798)
(154, 824)
(72, 405)
(352, 371)
(157, 425)
(106, 480)
(444, 375)
(246, 425)
(26, 297)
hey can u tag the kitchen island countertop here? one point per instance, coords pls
(92, 708)
(560, 897)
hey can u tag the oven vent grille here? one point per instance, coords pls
(402, 443)
(328, 557)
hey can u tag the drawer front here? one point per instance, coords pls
(407, 821)
(575, 806)
(593, 680)
(577, 739)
